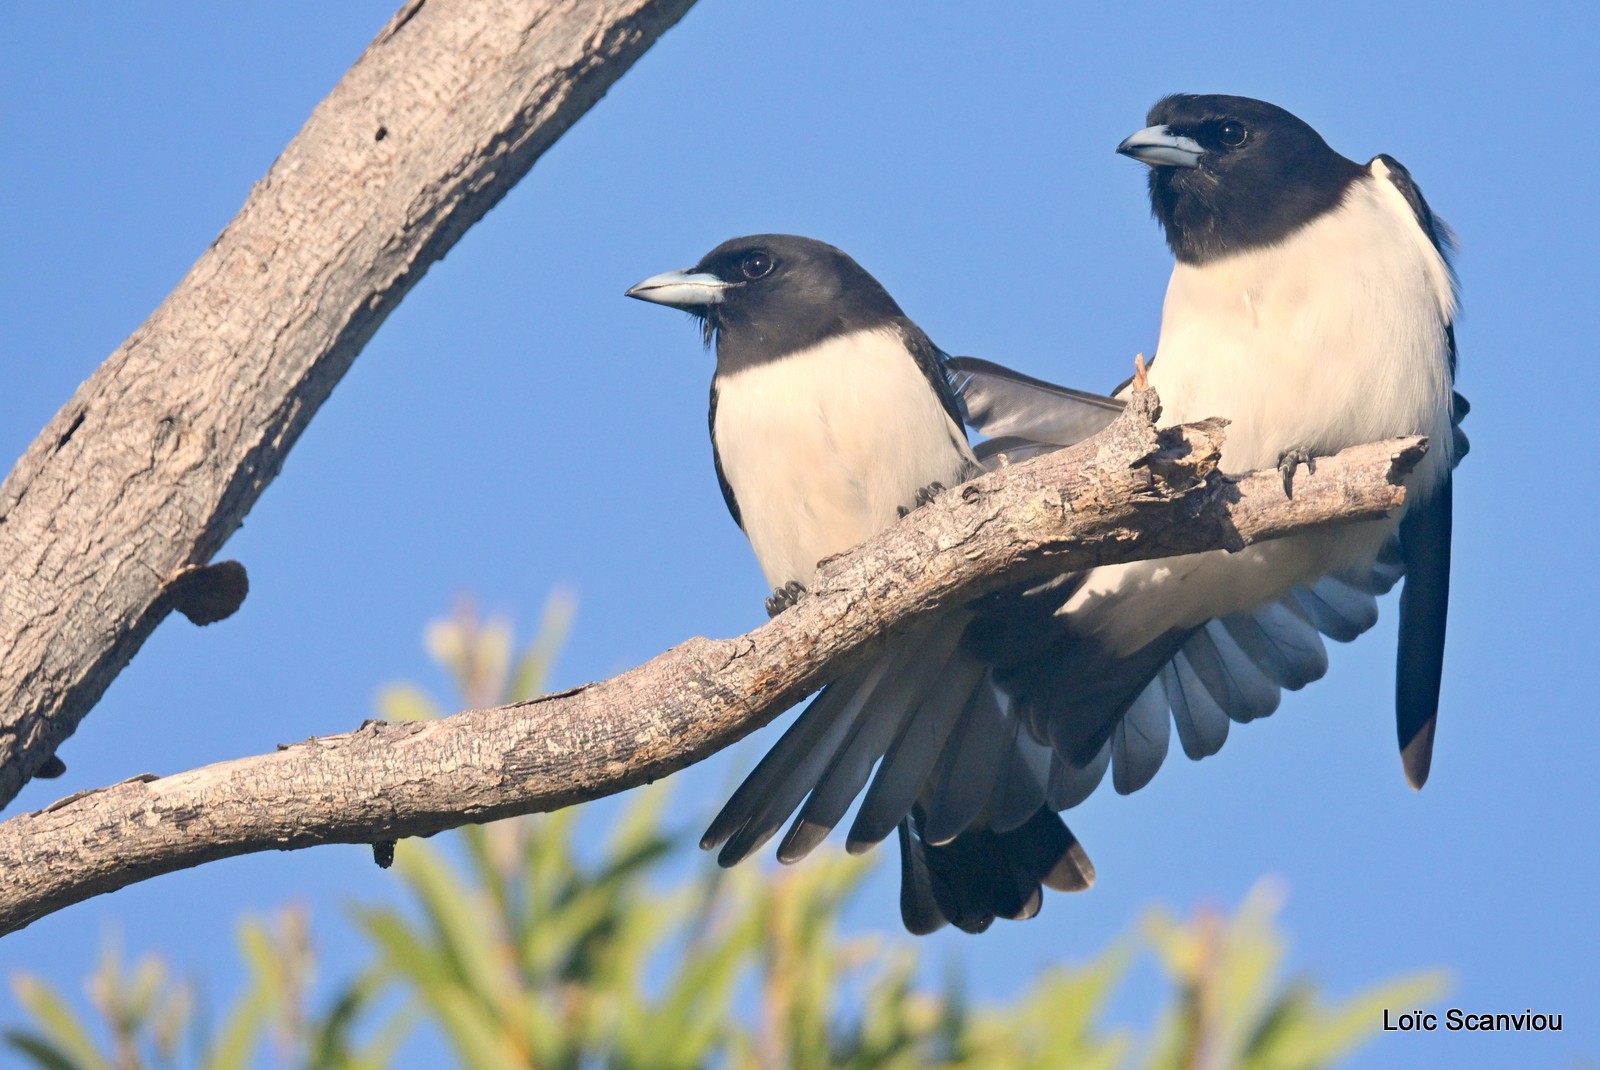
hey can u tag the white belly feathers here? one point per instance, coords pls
(823, 446)
(1332, 338)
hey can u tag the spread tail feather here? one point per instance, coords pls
(1139, 744)
(973, 758)
(910, 761)
(790, 769)
(919, 659)
(1424, 605)
(982, 874)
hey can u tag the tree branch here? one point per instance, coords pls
(160, 454)
(1130, 492)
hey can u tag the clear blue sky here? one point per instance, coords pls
(517, 425)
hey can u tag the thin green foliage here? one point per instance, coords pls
(521, 944)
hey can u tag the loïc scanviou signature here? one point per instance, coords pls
(1457, 1020)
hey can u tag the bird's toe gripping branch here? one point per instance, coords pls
(784, 597)
(1289, 461)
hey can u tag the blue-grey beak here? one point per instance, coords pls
(680, 289)
(1158, 146)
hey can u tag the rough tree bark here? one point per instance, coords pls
(158, 456)
(1130, 492)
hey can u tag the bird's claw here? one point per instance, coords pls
(1291, 459)
(923, 497)
(784, 597)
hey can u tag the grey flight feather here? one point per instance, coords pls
(1424, 605)
(1425, 534)
(1001, 402)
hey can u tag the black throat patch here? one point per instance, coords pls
(1245, 196)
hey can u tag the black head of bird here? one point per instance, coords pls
(765, 296)
(1231, 173)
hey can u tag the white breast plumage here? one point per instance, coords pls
(1329, 339)
(823, 446)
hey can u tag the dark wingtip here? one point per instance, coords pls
(735, 839)
(1416, 754)
(729, 820)
(858, 844)
(717, 834)
(1030, 907)
(802, 838)
(920, 924)
(1073, 872)
(740, 847)
(918, 912)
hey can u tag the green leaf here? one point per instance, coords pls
(406, 702)
(474, 1029)
(59, 1026)
(44, 1054)
(456, 914)
(384, 1048)
(240, 1033)
(530, 943)
(1301, 1035)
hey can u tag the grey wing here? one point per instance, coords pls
(1459, 407)
(962, 785)
(716, 460)
(1425, 534)
(1438, 232)
(1002, 403)
(931, 362)
(1233, 668)
(1090, 707)
(1424, 606)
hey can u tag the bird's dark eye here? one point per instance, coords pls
(755, 265)
(1232, 133)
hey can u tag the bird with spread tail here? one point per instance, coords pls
(1311, 304)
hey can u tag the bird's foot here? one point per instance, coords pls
(924, 496)
(1291, 459)
(784, 597)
